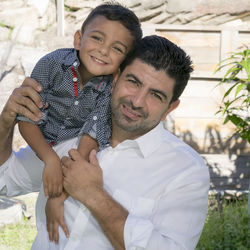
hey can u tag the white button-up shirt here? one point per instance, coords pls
(160, 180)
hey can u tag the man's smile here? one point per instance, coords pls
(130, 112)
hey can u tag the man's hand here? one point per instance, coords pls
(24, 100)
(81, 178)
(55, 217)
(52, 177)
(84, 181)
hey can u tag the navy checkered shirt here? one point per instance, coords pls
(71, 112)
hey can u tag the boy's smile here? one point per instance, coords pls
(102, 47)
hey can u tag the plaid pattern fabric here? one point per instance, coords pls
(71, 111)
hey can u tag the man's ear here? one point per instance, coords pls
(77, 39)
(171, 107)
(116, 75)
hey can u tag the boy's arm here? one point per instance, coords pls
(86, 145)
(52, 174)
(54, 210)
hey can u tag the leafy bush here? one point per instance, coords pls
(236, 100)
(227, 231)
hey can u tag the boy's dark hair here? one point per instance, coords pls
(164, 55)
(114, 11)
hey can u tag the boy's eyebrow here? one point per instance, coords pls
(98, 31)
(155, 90)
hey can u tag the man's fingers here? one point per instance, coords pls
(30, 82)
(93, 159)
(74, 154)
(66, 161)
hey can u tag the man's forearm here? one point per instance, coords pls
(6, 135)
(110, 215)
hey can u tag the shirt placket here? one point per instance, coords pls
(78, 228)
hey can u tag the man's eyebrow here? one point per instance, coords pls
(135, 78)
(102, 33)
(163, 94)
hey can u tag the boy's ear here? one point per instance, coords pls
(77, 39)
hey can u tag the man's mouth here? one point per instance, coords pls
(130, 113)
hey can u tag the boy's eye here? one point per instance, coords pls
(118, 49)
(97, 38)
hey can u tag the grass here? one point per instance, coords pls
(226, 230)
(18, 237)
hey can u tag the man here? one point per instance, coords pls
(149, 189)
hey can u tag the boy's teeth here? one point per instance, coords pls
(99, 61)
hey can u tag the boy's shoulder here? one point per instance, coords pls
(63, 56)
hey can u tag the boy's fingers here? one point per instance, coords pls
(55, 233)
(64, 227)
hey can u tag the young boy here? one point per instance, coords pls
(76, 84)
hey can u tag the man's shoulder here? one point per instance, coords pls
(173, 143)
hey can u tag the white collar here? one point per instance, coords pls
(147, 143)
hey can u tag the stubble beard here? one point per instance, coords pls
(126, 124)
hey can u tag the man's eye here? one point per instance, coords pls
(157, 96)
(133, 82)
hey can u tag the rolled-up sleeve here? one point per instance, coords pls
(21, 173)
(98, 124)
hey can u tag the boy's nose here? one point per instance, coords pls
(104, 50)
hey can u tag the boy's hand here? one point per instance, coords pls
(55, 217)
(52, 177)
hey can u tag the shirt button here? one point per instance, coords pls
(76, 102)
(75, 64)
(62, 127)
(94, 118)
(74, 79)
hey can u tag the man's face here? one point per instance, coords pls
(141, 99)
(102, 46)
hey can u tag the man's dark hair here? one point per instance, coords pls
(114, 11)
(162, 54)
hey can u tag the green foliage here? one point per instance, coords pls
(236, 100)
(227, 231)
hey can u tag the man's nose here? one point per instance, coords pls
(139, 98)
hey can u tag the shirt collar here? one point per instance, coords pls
(152, 140)
(71, 59)
(147, 143)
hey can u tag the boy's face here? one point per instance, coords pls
(102, 47)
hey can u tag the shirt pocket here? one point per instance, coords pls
(136, 205)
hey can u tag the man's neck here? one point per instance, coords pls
(119, 135)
